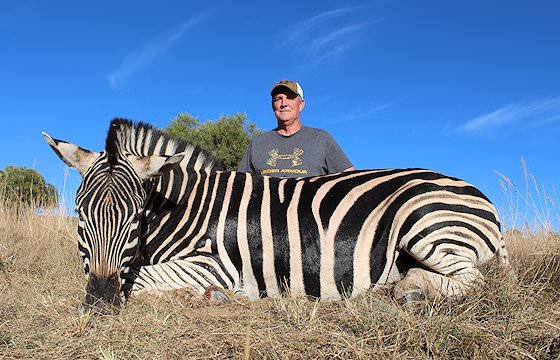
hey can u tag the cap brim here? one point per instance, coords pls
(277, 89)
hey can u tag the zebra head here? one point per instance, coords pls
(109, 202)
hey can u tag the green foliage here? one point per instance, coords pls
(226, 138)
(22, 186)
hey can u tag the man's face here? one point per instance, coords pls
(287, 106)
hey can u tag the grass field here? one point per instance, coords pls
(42, 283)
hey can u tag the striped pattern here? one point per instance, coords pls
(332, 235)
(327, 237)
(106, 201)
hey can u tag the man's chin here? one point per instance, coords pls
(285, 120)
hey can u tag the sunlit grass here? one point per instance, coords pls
(42, 283)
(529, 207)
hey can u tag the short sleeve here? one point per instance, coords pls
(245, 164)
(337, 161)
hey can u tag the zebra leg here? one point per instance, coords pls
(444, 263)
(419, 284)
(214, 293)
(447, 270)
(201, 273)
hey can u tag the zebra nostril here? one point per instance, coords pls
(102, 294)
(98, 308)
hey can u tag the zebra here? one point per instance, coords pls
(158, 213)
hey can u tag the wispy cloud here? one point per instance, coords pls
(326, 36)
(524, 115)
(140, 60)
(300, 29)
(361, 113)
(366, 112)
(335, 37)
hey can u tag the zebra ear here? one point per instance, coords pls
(73, 155)
(151, 166)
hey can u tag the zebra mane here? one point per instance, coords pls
(142, 139)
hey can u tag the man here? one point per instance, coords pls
(293, 150)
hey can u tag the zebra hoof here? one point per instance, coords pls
(213, 293)
(411, 296)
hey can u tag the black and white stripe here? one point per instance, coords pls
(325, 237)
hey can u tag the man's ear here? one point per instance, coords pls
(301, 104)
(73, 155)
(150, 166)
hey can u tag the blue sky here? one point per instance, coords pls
(463, 87)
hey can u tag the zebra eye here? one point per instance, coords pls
(86, 264)
(135, 218)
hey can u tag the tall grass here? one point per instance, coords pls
(42, 283)
(529, 207)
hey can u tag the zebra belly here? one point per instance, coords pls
(298, 273)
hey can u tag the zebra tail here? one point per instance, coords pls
(502, 253)
(504, 259)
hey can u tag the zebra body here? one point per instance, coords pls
(326, 237)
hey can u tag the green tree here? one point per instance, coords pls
(226, 138)
(22, 186)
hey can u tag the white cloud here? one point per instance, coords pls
(537, 113)
(363, 113)
(137, 61)
(336, 37)
(326, 36)
(300, 29)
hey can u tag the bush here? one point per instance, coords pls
(22, 186)
(226, 138)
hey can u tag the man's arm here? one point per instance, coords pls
(245, 164)
(337, 161)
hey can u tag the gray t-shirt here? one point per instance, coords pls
(308, 152)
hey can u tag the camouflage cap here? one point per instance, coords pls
(292, 85)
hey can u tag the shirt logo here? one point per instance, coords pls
(295, 157)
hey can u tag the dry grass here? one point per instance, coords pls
(41, 284)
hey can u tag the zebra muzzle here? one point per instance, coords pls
(102, 295)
